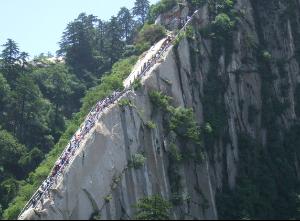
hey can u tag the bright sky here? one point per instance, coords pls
(37, 25)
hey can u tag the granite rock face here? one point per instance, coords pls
(101, 180)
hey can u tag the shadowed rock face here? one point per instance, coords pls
(171, 19)
(100, 180)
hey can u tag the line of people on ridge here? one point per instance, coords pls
(153, 60)
(93, 116)
(183, 21)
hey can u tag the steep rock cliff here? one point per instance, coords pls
(245, 84)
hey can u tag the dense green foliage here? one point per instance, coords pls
(183, 123)
(160, 100)
(110, 82)
(91, 45)
(39, 98)
(181, 120)
(153, 208)
(148, 35)
(137, 84)
(127, 24)
(141, 10)
(223, 23)
(33, 112)
(125, 103)
(10, 164)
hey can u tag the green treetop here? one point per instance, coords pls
(141, 9)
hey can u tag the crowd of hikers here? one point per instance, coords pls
(68, 154)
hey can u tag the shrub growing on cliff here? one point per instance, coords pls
(175, 153)
(153, 208)
(208, 129)
(95, 216)
(224, 5)
(161, 7)
(183, 122)
(125, 102)
(222, 23)
(266, 56)
(179, 38)
(151, 125)
(160, 100)
(187, 33)
(138, 161)
(149, 35)
(137, 84)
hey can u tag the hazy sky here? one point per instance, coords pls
(37, 25)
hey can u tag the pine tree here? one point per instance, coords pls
(99, 47)
(126, 22)
(5, 93)
(31, 114)
(10, 60)
(141, 9)
(23, 59)
(11, 152)
(114, 44)
(77, 45)
(11, 52)
(100, 35)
